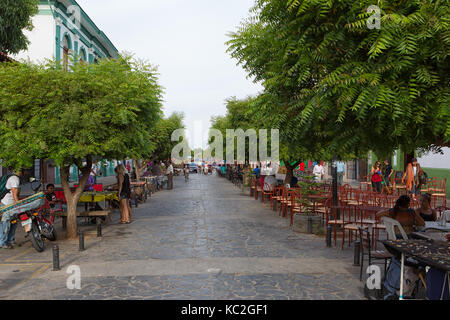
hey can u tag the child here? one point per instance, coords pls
(50, 195)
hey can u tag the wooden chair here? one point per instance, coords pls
(333, 220)
(366, 250)
(252, 186)
(286, 202)
(265, 193)
(276, 196)
(350, 223)
(297, 207)
(324, 205)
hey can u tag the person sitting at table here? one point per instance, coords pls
(89, 183)
(407, 217)
(425, 210)
(294, 182)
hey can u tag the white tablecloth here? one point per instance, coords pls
(435, 225)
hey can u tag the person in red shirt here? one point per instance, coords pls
(376, 177)
(302, 167)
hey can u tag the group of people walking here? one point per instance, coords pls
(414, 177)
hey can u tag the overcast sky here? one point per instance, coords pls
(186, 39)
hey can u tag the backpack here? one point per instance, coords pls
(3, 181)
(423, 178)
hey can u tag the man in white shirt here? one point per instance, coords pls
(8, 230)
(318, 171)
(169, 173)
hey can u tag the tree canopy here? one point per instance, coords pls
(332, 83)
(162, 135)
(98, 111)
(15, 17)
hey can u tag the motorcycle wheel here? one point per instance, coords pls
(36, 238)
(51, 233)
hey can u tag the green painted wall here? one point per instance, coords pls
(441, 174)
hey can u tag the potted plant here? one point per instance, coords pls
(307, 221)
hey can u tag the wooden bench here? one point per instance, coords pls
(88, 214)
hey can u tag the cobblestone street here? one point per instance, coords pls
(203, 240)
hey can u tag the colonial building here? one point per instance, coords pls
(64, 32)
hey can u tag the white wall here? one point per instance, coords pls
(42, 40)
(436, 160)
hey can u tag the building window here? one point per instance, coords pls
(83, 56)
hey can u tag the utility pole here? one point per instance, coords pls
(335, 184)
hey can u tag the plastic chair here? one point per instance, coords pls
(390, 225)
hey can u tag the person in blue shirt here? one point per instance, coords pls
(340, 172)
(257, 171)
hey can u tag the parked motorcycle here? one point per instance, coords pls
(34, 223)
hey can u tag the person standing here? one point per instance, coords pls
(156, 171)
(376, 177)
(257, 172)
(169, 173)
(124, 194)
(388, 171)
(340, 172)
(8, 230)
(411, 176)
(318, 171)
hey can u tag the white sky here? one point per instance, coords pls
(186, 39)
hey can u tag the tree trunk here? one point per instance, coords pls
(139, 168)
(290, 171)
(73, 198)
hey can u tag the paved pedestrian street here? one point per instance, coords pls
(203, 240)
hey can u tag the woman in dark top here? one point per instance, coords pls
(408, 218)
(124, 193)
(425, 210)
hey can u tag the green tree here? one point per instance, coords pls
(99, 111)
(334, 84)
(15, 17)
(162, 136)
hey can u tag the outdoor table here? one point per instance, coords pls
(436, 225)
(435, 236)
(94, 197)
(435, 254)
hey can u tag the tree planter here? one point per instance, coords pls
(307, 224)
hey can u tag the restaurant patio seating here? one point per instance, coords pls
(252, 186)
(334, 221)
(350, 223)
(286, 202)
(276, 196)
(265, 193)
